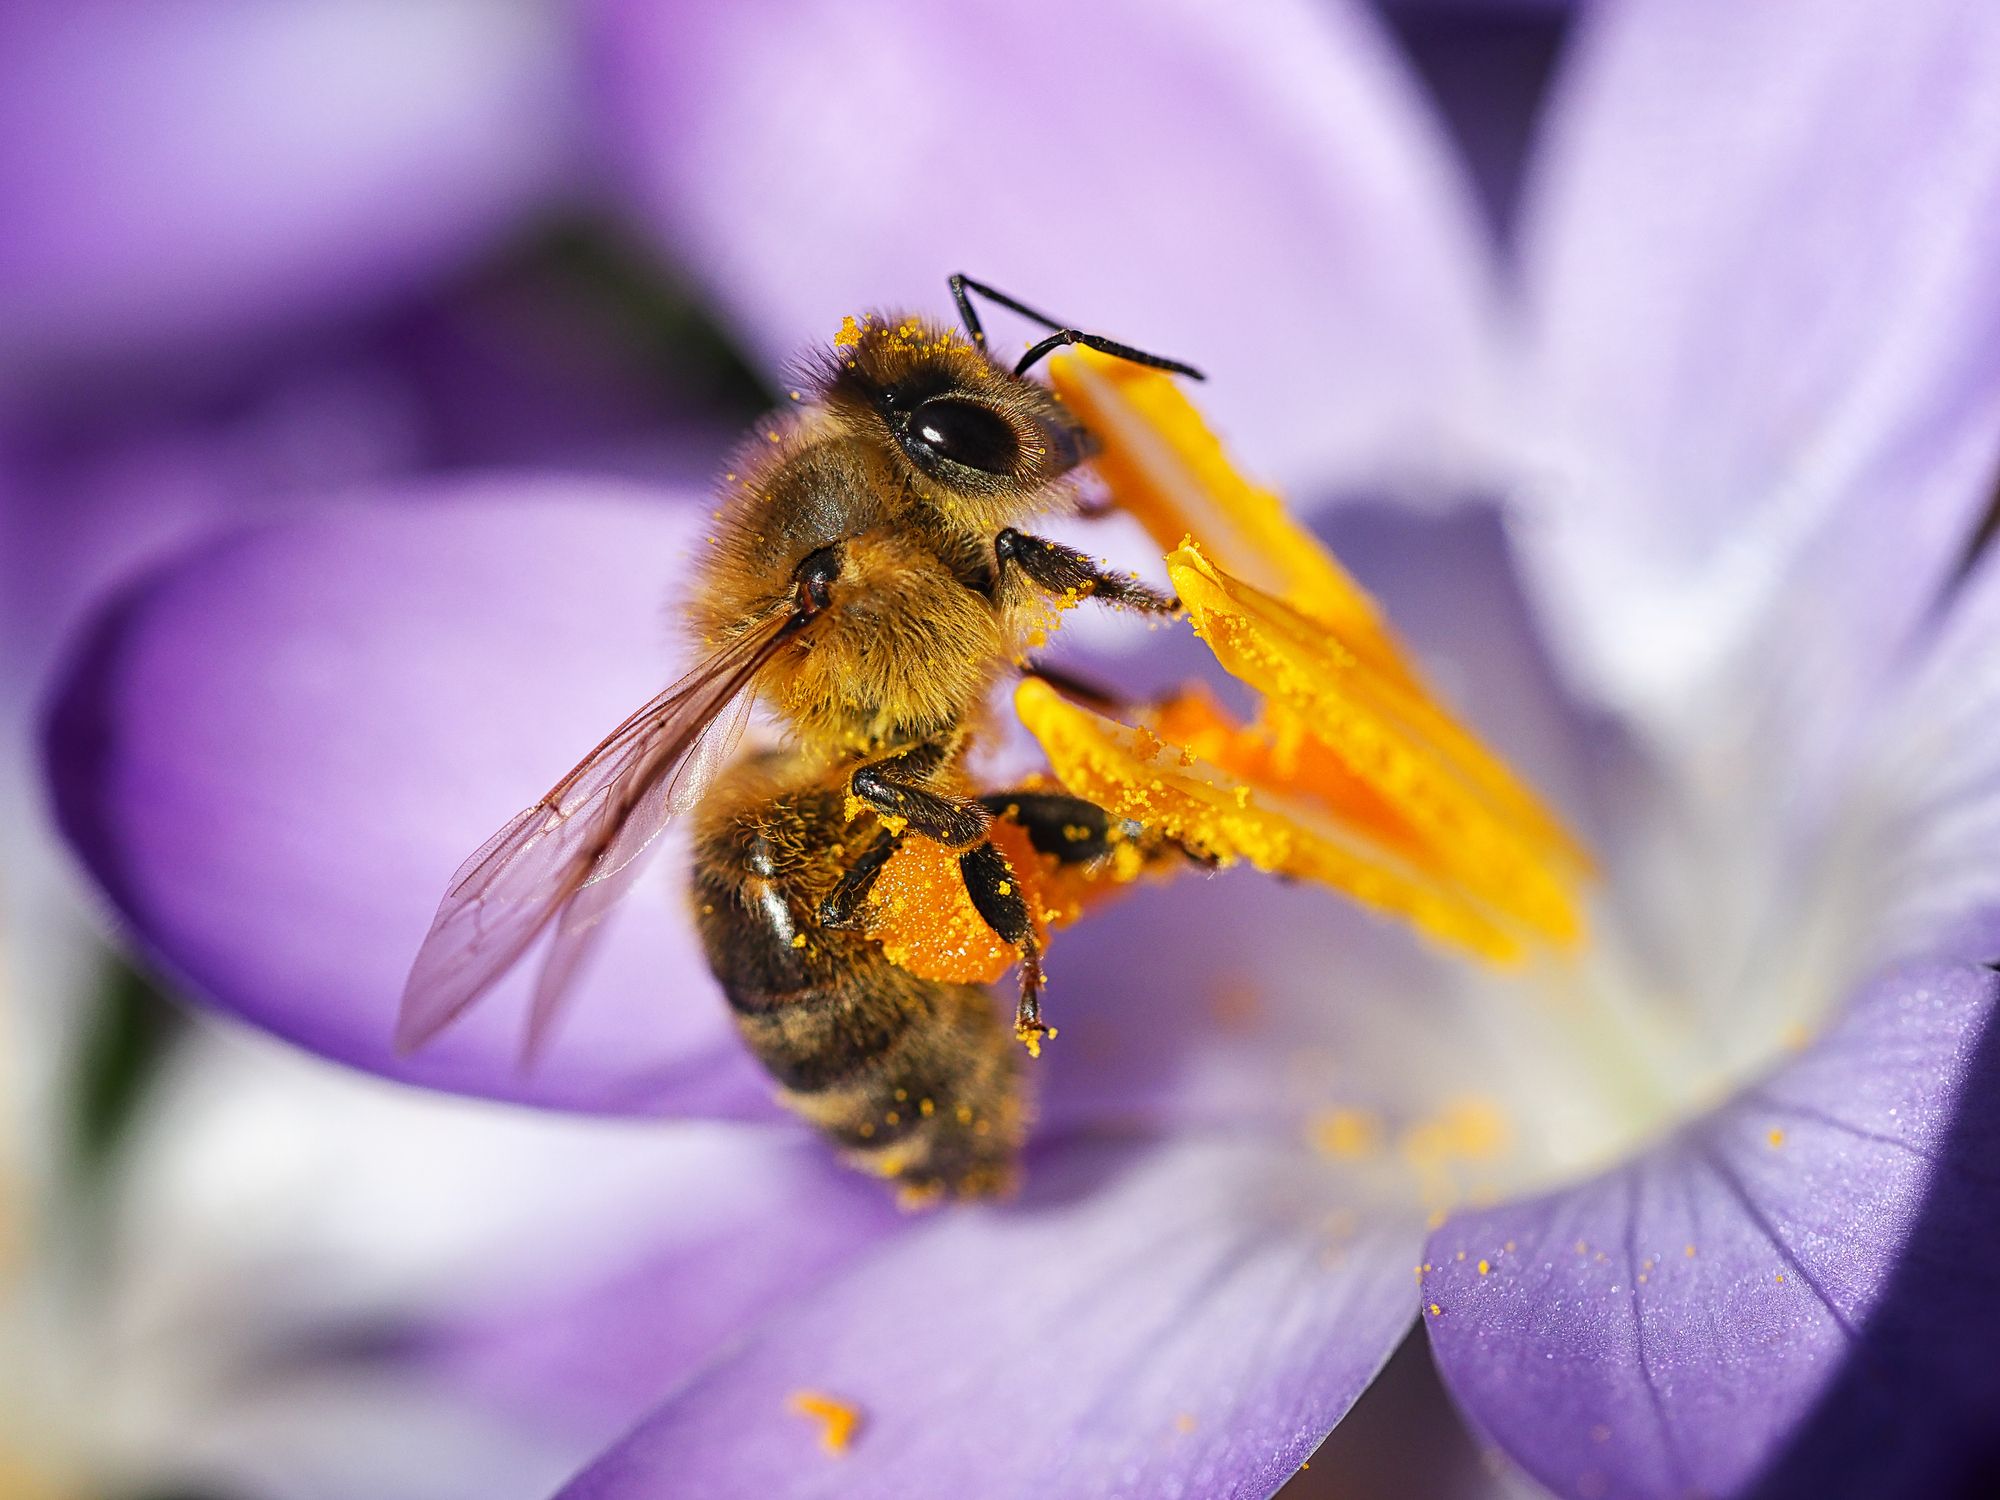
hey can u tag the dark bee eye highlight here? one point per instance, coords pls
(964, 432)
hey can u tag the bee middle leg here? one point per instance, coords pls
(895, 788)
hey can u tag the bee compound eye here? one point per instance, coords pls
(964, 432)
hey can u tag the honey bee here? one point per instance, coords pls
(870, 583)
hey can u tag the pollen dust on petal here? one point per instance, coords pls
(839, 1420)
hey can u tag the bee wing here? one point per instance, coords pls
(582, 919)
(570, 856)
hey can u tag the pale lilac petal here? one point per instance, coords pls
(1663, 1329)
(202, 170)
(1759, 262)
(273, 755)
(1166, 1320)
(1262, 191)
(1926, 808)
(317, 1284)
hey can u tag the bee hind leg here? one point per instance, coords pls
(996, 895)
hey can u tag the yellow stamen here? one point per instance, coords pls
(838, 1420)
(1352, 773)
(1135, 774)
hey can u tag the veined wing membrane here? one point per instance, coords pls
(575, 851)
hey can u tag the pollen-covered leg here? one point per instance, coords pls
(997, 896)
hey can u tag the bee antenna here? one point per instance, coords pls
(962, 286)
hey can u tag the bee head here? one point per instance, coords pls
(968, 436)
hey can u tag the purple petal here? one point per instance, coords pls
(1759, 257)
(273, 755)
(1664, 1329)
(1262, 192)
(1488, 64)
(199, 171)
(1186, 1319)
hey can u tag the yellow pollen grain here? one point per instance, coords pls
(839, 1420)
(849, 335)
(1776, 1138)
(1346, 1134)
(1485, 1267)
(1436, 1310)
(1781, 1277)
(1688, 1251)
(798, 940)
(1184, 1422)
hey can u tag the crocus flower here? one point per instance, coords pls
(1701, 1211)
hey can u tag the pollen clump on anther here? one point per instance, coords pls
(1351, 772)
(839, 1420)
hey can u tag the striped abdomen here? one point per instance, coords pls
(915, 1079)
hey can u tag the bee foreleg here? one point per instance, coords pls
(843, 905)
(893, 787)
(1057, 569)
(996, 895)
